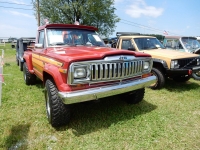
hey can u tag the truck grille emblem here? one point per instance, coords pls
(122, 58)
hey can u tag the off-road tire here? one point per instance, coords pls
(58, 114)
(29, 78)
(181, 78)
(135, 96)
(160, 79)
(196, 75)
(21, 65)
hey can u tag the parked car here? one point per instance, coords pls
(4, 40)
(22, 45)
(13, 42)
(167, 63)
(182, 43)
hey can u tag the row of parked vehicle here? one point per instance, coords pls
(177, 58)
(75, 65)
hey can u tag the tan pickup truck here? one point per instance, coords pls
(166, 63)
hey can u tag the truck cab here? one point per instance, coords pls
(76, 66)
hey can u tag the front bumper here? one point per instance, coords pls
(186, 71)
(105, 91)
(178, 72)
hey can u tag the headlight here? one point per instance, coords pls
(80, 72)
(146, 65)
(174, 64)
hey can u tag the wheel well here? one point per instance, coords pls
(159, 66)
(47, 76)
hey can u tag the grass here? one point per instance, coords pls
(166, 119)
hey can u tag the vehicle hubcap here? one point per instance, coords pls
(154, 84)
(48, 109)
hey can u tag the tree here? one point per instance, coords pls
(97, 13)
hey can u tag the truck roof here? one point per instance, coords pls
(178, 37)
(58, 25)
(137, 36)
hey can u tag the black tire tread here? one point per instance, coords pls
(160, 80)
(30, 78)
(195, 76)
(60, 113)
(21, 65)
(136, 96)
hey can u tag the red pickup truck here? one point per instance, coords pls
(76, 66)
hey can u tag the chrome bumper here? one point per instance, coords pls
(105, 91)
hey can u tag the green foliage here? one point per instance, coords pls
(167, 119)
(100, 14)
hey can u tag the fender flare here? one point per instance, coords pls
(163, 62)
(55, 74)
(28, 59)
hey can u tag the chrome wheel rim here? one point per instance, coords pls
(48, 108)
(154, 84)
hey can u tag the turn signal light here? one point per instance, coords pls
(146, 75)
(189, 72)
(63, 70)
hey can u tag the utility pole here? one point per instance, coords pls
(38, 13)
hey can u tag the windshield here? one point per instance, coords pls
(190, 43)
(73, 37)
(148, 43)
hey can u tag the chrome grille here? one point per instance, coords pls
(111, 68)
(104, 71)
(187, 62)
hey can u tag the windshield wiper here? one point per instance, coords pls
(57, 43)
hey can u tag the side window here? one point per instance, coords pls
(126, 44)
(168, 43)
(41, 39)
(171, 43)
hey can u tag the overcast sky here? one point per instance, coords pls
(176, 17)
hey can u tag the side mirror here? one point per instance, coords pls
(38, 45)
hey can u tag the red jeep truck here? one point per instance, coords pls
(76, 66)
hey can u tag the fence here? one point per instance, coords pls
(1, 72)
(2, 44)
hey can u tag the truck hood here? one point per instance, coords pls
(79, 53)
(168, 54)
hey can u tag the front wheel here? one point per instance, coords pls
(196, 75)
(58, 113)
(20, 65)
(28, 77)
(160, 79)
(135, 96)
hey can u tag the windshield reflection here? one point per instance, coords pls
(148, 43)
(190, 43)
(73, 37)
